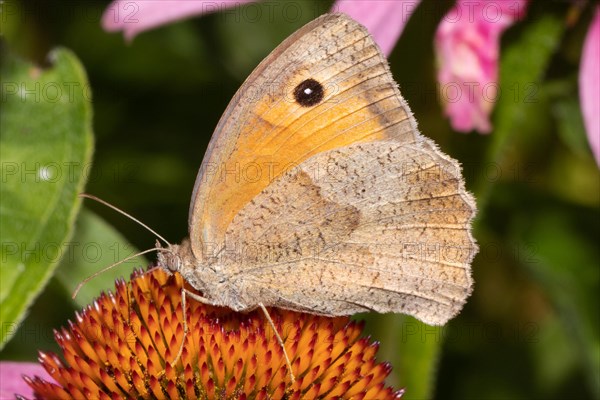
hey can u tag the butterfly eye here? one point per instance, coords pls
(309, 92)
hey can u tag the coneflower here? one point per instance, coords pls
(123, 345)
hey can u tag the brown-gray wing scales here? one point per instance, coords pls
(381, 226)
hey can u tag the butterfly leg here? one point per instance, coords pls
(287, 359)
(184, 294)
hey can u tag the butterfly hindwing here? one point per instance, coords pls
(381, 226)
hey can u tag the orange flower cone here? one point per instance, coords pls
(122, 346)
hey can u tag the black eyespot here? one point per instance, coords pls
(309, 92)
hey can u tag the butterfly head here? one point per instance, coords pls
(200, 275)
(173, 257)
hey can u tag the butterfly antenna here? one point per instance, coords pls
(89, 278)
(92, 197)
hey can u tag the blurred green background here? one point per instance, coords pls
(531, 328)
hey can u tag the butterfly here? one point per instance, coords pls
(318, 193)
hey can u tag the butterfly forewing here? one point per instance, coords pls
(266, 132)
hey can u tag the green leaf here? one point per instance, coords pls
(570, 125)
(522, 68)
(565, 264)
(46, 147)
(412, 347)
(418, 353)
(94, 246)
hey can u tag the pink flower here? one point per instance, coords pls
(467, 44)
(385, 20)
(12, 382)
(589, 84)
(133, 17)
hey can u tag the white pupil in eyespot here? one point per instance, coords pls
(308, 91)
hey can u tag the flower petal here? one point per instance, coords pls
(589, 84)
(467, 45)
(12, 381)
(385, 19)
(133, 17)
